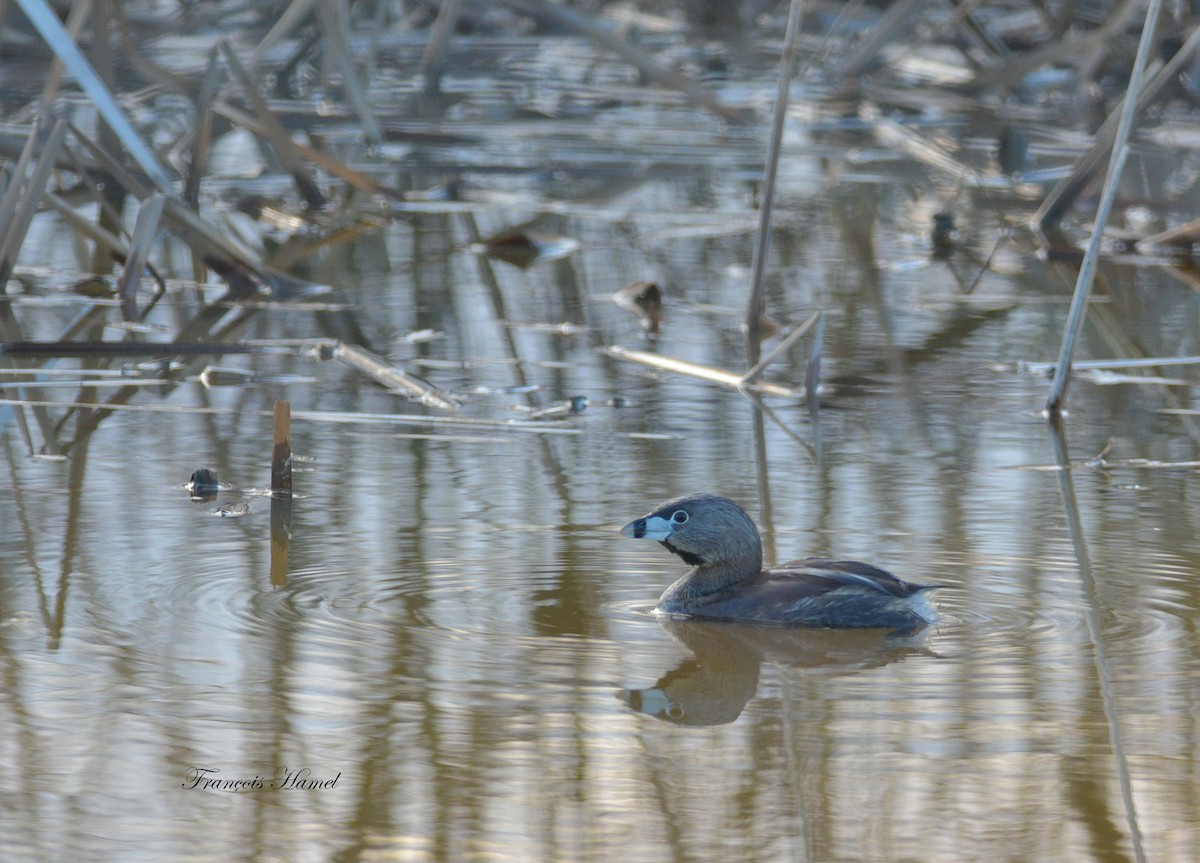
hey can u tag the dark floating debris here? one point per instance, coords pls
(644, 299)
(1012, 150)
(204, 484)
(523, 248)
(96, 287)
(943, 236)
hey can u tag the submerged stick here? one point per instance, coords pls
(281, 536)
(1087, 272)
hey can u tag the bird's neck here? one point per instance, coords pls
(706, 580)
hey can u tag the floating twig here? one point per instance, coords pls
(540, 427)
(696, 370)
(123, 349)
(394, 379)
(892, 134)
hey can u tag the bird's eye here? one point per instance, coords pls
(679, 517)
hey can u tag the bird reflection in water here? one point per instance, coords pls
(715, 683)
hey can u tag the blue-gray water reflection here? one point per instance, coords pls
(462, 631)
(460, 650)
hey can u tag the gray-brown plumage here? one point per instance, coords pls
(718, 539)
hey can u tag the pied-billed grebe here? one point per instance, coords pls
(718, 539)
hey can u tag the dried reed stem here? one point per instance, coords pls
(1116, 166)
(757, 303)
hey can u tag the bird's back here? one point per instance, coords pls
(822, 592)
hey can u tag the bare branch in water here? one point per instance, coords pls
(702, 372)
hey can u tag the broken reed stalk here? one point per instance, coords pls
(756, 372)
(394, 379)
(1116, 166)
(281, 452)
(757, 303)
(696, 370)
(145, 229)
(281, 493)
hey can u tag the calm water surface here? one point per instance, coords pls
(460, 652)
